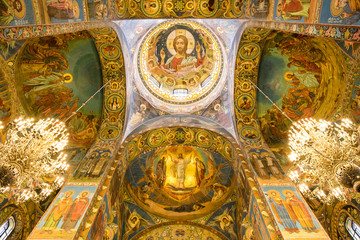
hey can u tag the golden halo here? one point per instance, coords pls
(143, 107)
(177, 32)
(76, 9)
(22, 13)
(67, 77)
(277, 194)
(335, 11)
(114, 85)
(87, 193)
(70, 191)
(288, 191)
(110, 232)
(286, 76)
(217, 107)
(170, 82)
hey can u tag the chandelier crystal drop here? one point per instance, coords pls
(327, 158)
(31, 162)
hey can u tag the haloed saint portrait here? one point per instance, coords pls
(180, 62)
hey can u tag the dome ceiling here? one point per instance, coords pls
(180, 63)
(192, 81)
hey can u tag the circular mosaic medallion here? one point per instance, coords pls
(114, 102)
(150, 7)
(228, 150)
(237, 7)
(180, 62)
(131, 151)
(204, 138)
(206, 9)
(110, 51)
(245, 103)
(156, 138)
(109, 133)
(120, 6)
(249, 51)
(249, 133)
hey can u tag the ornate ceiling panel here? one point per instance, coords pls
(190, 79)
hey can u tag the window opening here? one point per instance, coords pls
(7, 228)
(352, 228)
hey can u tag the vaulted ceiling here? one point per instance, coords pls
(185, 147)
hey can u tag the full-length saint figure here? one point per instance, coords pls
(181, 59)
(179, 169)
(298, 207)
(76, 211)
(60, 208)
(283, 213)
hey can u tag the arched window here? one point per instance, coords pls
(7, 228)
(353, 228)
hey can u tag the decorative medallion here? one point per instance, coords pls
(249, 133)
(109, 133)
(249, 51)
(114, 102)
(156, 138)
(150, 8)
(110, 51)
(245, 103)
(228, 150)
(180, 62)
(206, 9)
(131, 150)
(237, 7)
(204, 138)
(120, 6)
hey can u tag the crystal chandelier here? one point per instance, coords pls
(31, 162)
(327, 157)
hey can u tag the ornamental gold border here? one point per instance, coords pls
(140, 143)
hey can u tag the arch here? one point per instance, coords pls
(99, 158)
(148, 148)
(169, 170)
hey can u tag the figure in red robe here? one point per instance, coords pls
(181, 60)
(76, 211)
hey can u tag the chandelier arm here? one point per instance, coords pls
(84, 103)
(274, 104)
(321, 153)
(27, 145)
